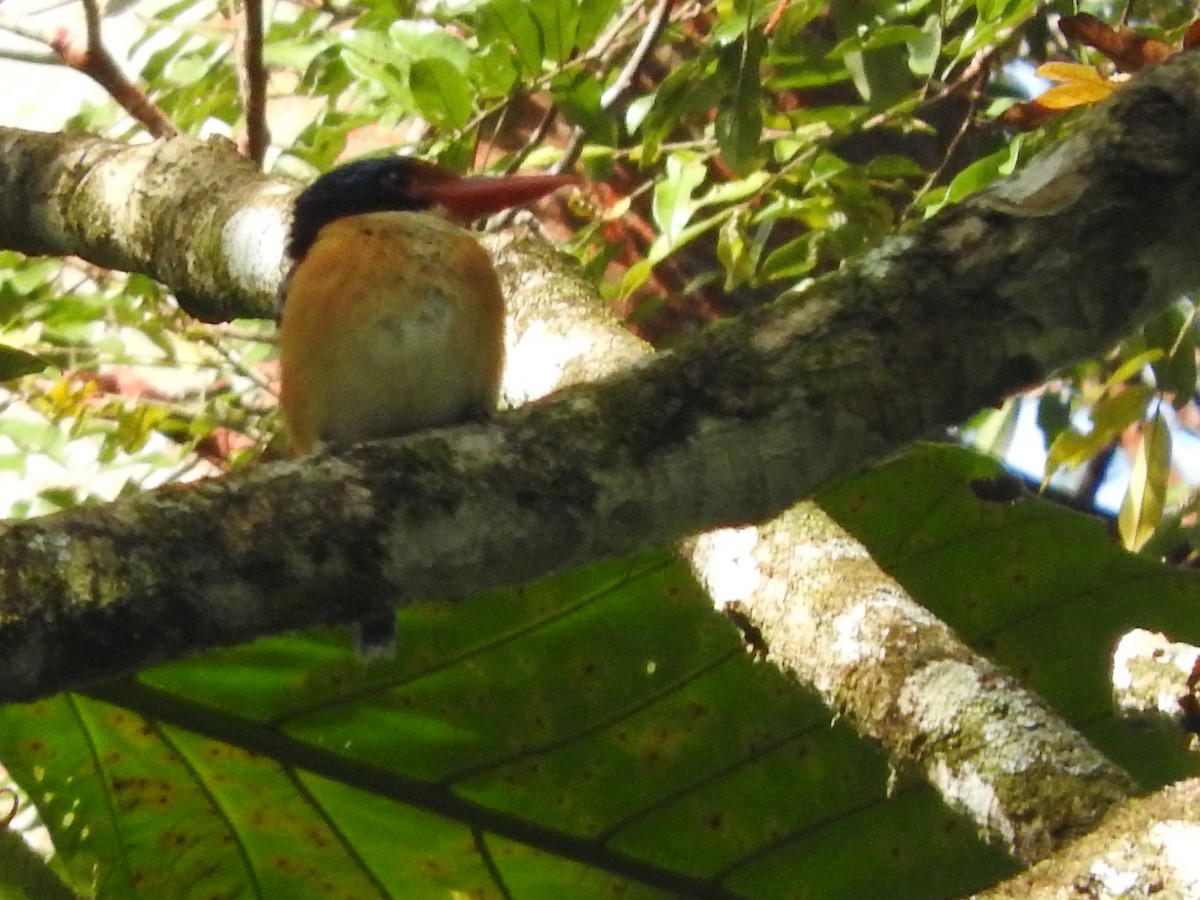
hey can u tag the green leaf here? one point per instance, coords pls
(673, 205)
(14, 363)
(1042, 590)
(594, 17)
(420, 40)
(386, 77)
(795, 258)
(1053, 415)
(1174, 333)
(1117, 411)
(739, 256)
(1145, 499)
(975, 177)
(493, 71)
(442, 93)
(993, 429)
(1110, 417)
(563, 729)
(376, 47)
(510, 24)
(577, 95)
(734, 191)
(1132, 367)
(636, 112)
(559, 24)
(24, 875)
(683, 92)
(635, 276)
(739, 124)
(923, 50)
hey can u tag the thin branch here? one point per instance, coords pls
(29, 32)
(1147, 848)
(651, 32)
(974, 76)
(252, 81)
(535, 139)
(34, 57)
(94, 61)
(604, 44)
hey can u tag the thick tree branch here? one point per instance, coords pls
(830, 618)
(1144, 849)
(196, 216)
(730, 428)
(825, 614)
(1156, 679)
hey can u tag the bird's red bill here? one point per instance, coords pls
(480, 196)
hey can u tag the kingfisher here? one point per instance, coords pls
(391, 317)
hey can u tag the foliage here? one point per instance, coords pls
(600, 733)
(519, 731)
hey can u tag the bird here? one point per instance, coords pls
(391, 315)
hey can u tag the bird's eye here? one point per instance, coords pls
(394, 181)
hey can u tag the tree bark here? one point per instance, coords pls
(1144, 849)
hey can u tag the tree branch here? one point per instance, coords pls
(1145, 849)
(196, 216)
(252, 81)
(730, 428)
(94, 60)
(831, 619)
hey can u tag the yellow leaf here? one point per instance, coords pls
(1072, 448)
(1142, 508)
(1079, 93)
(1132, 366)
(1070, 73)
(1111, 415)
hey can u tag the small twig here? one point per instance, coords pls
(974, 76)
(650, 35)
(570, 152)
(36, 57)
(231, 359)
(503, 218)
(94, 61)
(497, 128)
(535, 137)
(252, 82)
(608, 40)
(605, 44)
(651, 32)
(29, 33)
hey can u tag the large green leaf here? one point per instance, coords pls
(511, 24)
(599, 733)
(558, 21)
(442, 93)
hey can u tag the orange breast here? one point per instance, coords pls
(393, 322)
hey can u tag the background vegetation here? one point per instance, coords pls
(601, 732)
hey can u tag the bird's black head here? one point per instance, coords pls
(368, 185)
(406, 185)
